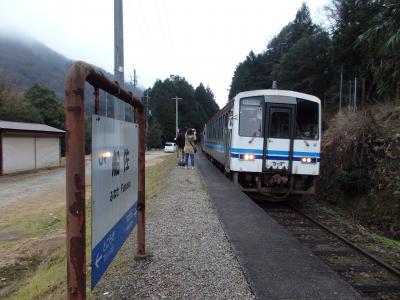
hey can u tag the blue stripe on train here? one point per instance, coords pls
(277, 154)
(272, 157)
(216, 147)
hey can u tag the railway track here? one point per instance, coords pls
(370, 276)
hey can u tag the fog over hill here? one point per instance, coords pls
(25, 61)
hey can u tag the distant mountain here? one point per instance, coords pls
(25, 61)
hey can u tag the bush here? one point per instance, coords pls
(355, 182)
(347, 151)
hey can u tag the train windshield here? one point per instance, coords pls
(307, 120)
(250, 116)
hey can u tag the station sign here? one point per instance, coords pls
(114, 189)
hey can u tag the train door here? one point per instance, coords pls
(279, 134)
(227, 140)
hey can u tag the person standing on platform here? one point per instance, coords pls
(190, 148)
(180, 142)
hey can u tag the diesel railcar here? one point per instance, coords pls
(267, 141)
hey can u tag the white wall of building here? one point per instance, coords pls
(27, 153)
(47, 152)
(18, 154)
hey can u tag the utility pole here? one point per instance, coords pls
(147, 112)
(355, 93)
(350, 92)
(134, 80)
(176, 112)
(362, 91)
(341, 87)
(119, 106)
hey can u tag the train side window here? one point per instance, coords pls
(217, 131)
(250, 117)
(220, 128)
(307, 117)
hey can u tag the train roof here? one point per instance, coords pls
(221, 111)
(272, 92)
(276, 92)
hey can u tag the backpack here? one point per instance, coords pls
(181, 162)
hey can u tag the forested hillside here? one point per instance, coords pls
(25, 62)
(362, 44)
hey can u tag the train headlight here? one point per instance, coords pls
(247, 156)
(307, 160)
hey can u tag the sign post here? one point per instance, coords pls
(120, 215)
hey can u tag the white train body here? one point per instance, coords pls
(268, 141)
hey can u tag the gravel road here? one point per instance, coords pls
(47, 183)
(190, 256)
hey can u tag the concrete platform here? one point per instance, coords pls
(276, 265)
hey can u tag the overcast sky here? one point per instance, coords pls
(202, 41)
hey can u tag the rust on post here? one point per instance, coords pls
(75, 185)
(141, 236)
(77, 75)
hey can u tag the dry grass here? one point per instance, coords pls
(34, 265)
(360, 165)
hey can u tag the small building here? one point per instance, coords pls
(28, 146)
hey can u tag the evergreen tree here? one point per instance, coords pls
(194, 110)
(15, 107)
(48, 106)
(306, 67)
(298, 57)
(382, 39)
(154, 133)
(205, 98)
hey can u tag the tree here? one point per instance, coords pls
(383, 39)
(298, 57)
(49, 107)
(251, 74)
(15, 107)
(153, 139)
(350, 19)
(205, 98)
(306, 67)
(194, 110)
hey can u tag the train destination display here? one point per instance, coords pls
(114, 189)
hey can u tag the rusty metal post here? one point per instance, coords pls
(75, 174)
(141, 236)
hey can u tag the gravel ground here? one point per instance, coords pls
(49, 182)
(190, 256)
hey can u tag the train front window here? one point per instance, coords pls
(250, 117)
(307, 117)
(280, 123)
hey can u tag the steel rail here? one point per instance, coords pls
(348, 242)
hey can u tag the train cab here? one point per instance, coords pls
(270, 143)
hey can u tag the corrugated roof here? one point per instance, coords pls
(28, 127)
